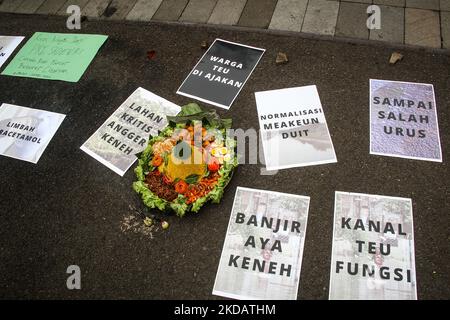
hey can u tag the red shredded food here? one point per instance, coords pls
(155, 182)
(202, 188)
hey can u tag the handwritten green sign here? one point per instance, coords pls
(55, 56)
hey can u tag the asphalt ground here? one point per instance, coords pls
(70, 209)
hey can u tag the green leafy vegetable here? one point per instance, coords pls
(191, 179)
(165, 157)
(149, 198)
(193, 112)
(190, 109)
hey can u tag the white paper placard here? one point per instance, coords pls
(26, 132)
(262, 254)
(403, 120)
(126, 132)
(373, 248)
(293, 128)
(7, 46)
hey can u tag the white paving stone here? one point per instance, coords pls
(95, 8)
(144, 10)
(422, 28)
(10, 5)
(392, 25)
(123, 7)
(358, 1)
(321, 17)
(445, 5)
(227, 12)
(198, 11)
(423, 4)
(445, 26)
(394, 3)
(289, 15)
(79, 3)
(50, 6)
(29, 6)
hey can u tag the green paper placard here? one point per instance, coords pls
(55, 56)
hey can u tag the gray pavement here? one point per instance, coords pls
(414, 22)
(70, 209)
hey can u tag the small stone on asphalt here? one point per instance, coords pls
(395, 57)
(281, 58)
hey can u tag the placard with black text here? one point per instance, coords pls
(262, 254)
(7, 46)
(221, 73)
(127, 130)
(293, 127)
(25, 132)
(373, 248)
(403, 120)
